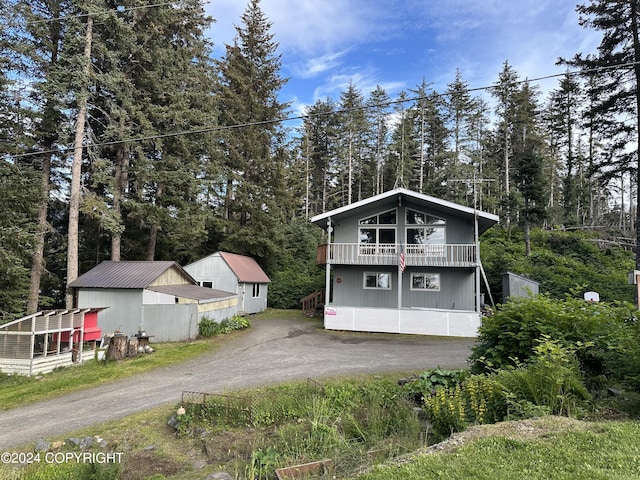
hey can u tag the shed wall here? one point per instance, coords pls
(171, 323)
(124, 312)
(249, 303)
(214, 269)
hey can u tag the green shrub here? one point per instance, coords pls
(478, 399)
(430, 380)
(208, 327)
(605, 337)
(550, 383)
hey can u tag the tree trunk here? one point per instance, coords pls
(153, 231)
(76, 171)
(119, 191)
(636, 69)
(37, 259)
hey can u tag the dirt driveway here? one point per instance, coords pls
(271, 351)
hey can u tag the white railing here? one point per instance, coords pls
(443, 255)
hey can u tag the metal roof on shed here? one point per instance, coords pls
(126, 274)
(245, 268)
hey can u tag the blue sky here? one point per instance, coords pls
(325, 44)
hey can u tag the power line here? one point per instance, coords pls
(215, 128)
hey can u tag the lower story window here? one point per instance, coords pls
(425, 281)
(377, 280)
(256, 290)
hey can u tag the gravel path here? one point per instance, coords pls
(271, 351)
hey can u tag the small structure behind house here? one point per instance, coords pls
(514, 285)
(233, 273)
(159, 297)
(40, 342)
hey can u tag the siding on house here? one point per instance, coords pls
(458, 230)
(456, 288)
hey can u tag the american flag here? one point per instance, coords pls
(402, 264)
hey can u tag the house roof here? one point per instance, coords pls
(245, 268)
(485, 220)
(126, 275)
(194, 292)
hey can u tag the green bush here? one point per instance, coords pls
(478, 399)
(430, 380)
(605, 337)
(550, 383)
(209, 328)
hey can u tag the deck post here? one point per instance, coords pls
(327, 280)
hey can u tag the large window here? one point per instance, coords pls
(425, 281)
(424, 229)
(374, 280)
(377, 233)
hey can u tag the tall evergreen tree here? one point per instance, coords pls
(563, 119)
(528, 160)
(617, 66)
(249, 82)
(320, 147)
(378, 111)
(505, 92)
(353, 126)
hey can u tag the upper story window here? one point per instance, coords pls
(377, 230)
(425, 229)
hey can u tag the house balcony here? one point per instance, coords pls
(431, 255)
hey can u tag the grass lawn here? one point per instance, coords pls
(549, 448)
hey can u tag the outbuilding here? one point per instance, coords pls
(158, 297)
(234, 273)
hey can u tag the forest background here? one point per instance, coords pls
(122, 138)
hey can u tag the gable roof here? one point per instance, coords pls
(485, 220)
(126, 274)
(246, 269)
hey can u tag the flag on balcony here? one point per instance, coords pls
(401, 259)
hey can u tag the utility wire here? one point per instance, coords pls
(217, 128)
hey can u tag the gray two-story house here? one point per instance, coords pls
(403, 262)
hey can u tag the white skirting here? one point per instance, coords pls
(423, 321)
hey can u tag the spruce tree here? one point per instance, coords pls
(617, 90)
(321, 145)
(249, 83)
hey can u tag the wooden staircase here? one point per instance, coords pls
(313, 303)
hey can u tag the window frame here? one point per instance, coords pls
(424, 275)
(377, 275)
(374, 247)
(255, 288)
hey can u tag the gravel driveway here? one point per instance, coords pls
(271, 351)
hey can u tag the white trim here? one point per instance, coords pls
(409, 193)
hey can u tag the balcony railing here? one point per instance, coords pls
(433, 255)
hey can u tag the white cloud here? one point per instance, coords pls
(316, 65)
(302, 26)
